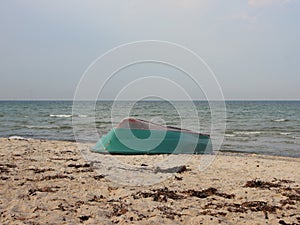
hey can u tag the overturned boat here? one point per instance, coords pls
(134, 136)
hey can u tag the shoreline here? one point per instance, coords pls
(48, 180)
(219, 152)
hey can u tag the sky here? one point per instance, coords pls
(251, 46)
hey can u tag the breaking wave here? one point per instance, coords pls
(230, 135)
(61, 115)
(67, 115)
(247, 133)
(284, 133)
(41, 127)
(280, 120)
(17, 138)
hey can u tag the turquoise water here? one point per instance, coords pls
(266, 127)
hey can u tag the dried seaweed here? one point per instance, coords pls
(43, 189)
(99, 177)
(168, 212)
(202, 194)
(70, 207)
(292, 196)
(79, 165)
(287, 202)
(51, 177)
(42, 170)
(285, 223)
(254, 206)
(57, 176)
(178, 178)
(163, 194)
(176, 169)
(119, 209)
(159, 195)
(66, 159)
(4, 178)
(261, 184)
(97, 198)
(84, 218)
(209, 212)
(5, 167)
(208, 192)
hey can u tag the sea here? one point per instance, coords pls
(261, 127)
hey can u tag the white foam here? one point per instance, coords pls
(61, 115)
(283, 133)
(82, 116)
(245, 133)
(41, 127)
(280, 120)
(230, 135)
(17, 138)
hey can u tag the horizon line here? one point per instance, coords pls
(158, 100)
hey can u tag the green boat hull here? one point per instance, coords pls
(140, 141)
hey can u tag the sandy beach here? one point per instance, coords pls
(50, 182)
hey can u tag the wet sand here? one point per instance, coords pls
(49, 182)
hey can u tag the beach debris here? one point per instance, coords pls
(85, 165)
(168, 212)
(84, 218)
(69, 207)
(259, 206)
(43, 189)
(57, 176)
(183, 169)
(256, 183)
(292, 194)
(65, 159)
(68, 151)
(176, 169)
(285, 181)
(61, 207)
(119, 209)
(51, 177)
(4, 178)
(159, 195)
(202, 194)
(80, 170)
(211, 213)
(99, 177)
(287, 202)
(285, 223)
(39, 209)
(178, 178)
(41, 170)
(253, 206)
(208, 192)
(6, 167)
(292, 197)
(163, 194)
(110, 188)
(97, 198)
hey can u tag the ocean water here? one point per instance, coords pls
(264, 127)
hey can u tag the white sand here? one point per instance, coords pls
(50, 182)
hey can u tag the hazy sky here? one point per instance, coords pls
(252, 46)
